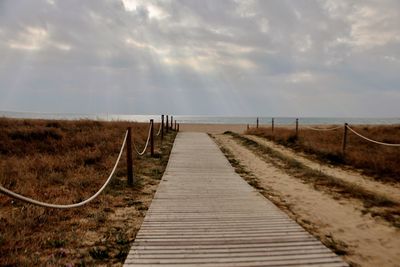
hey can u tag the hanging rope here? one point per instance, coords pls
(60, 206)
(373, 141)
(147, 144)
(159, 130)
(323, 129)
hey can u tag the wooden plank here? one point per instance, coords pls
(204, 214)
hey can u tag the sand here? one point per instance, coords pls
(212, 128)
(389, 190)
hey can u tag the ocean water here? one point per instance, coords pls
(201, 119)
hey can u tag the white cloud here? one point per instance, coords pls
(369, 27)
(32, 38)
(246, 9)
(35, 39)
(154, 11)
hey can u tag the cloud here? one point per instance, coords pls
(201, 57)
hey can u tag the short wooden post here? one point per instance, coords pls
(272, 125)
(344, 142)
(175, 126)
(166, 125)
(257, 122)
(152, 137)
(172, 122)
(162, 127)
(129, 162)
(297, 128)
(248, 127)
(178, 128)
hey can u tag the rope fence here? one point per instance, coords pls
(146, 145)
(371, 140)
(58, 206)
(125, 143)
(323, 129)
(159, 130)
(345, 128)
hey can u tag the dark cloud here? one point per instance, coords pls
(307, 58)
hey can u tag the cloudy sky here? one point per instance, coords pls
(208, 57)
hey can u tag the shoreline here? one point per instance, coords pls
(203, 119)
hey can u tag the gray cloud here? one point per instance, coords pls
(281, 58)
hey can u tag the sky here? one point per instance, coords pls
(325, 58)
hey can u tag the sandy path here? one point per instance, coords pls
(391, 191)
(212, 128)
(370, 242)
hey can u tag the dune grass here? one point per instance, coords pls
(66, 162)
(382, 162)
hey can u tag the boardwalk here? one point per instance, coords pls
(204, 214)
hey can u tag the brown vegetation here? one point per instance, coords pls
(380, 161)
(66, 162)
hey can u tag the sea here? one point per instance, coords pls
(202, 119)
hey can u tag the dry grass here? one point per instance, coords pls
(65, 162)
(379, 161)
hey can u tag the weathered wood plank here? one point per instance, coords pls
(204, 214)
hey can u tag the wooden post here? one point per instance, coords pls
(297, 128)
(172, 121)
(129, 163)
(248, 127)
(257, 122)
(166, 125)
(178, 128)
(272, 125)
(162, 127)
(344, 142)
(152, 137)
(175, 126)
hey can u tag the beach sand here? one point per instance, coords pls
(212, 128)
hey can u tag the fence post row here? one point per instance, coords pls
(344, 142)
(152, 137)
(162, 127)
(257, 122)
(272, 125)
(166, 125)
(129, 163)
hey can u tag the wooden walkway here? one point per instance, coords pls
(204, 214)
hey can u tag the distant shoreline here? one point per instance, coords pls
(204, 120)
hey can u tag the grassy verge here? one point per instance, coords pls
(65, 162)
(326, 146)
(375, 204)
